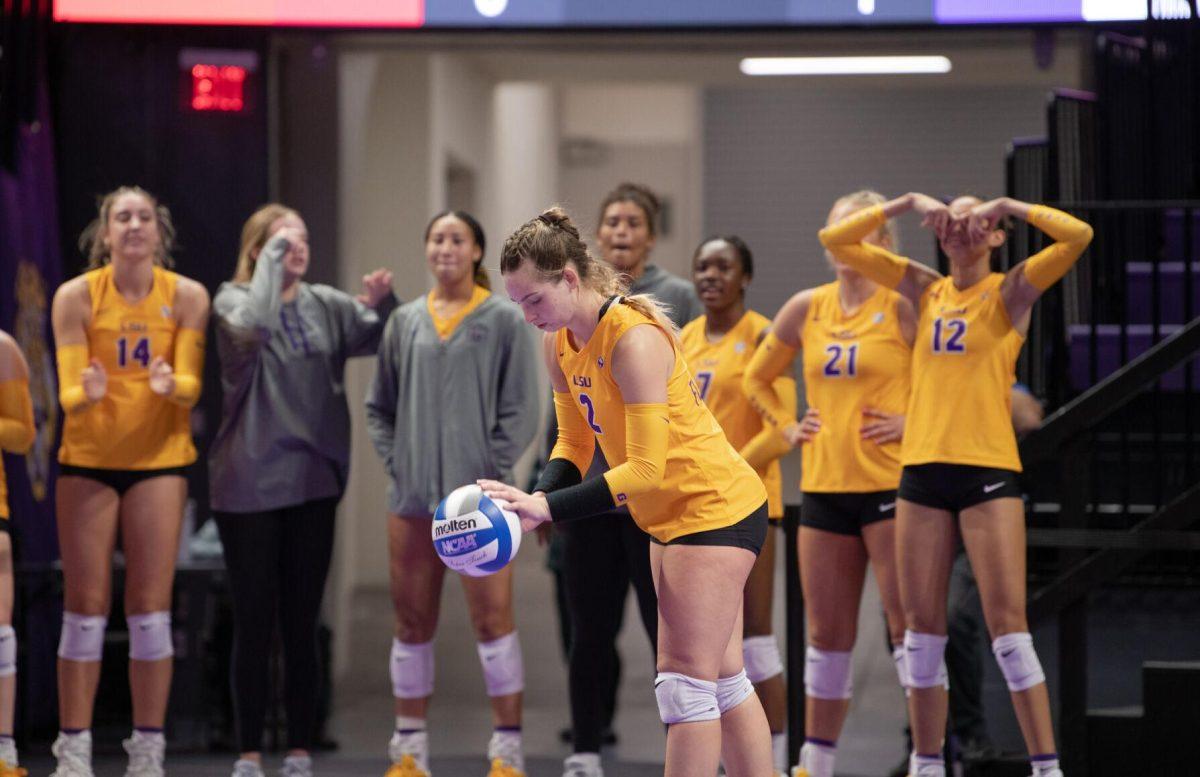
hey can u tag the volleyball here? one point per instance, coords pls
(473, 535)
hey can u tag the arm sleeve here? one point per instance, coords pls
(771, 358)
(188, 365)
(647, 429)
(1071, 237)
(383, 394)
(517, 405)
(575, 442)
(72, 361)
(844, 241)
(646, 440)
(16, 416)
(768, 445)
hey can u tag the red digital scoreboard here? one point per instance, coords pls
(307, 13)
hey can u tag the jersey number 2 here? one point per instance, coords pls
(139, 354)
(586, 401)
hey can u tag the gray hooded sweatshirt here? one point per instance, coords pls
(284, 437)
(443, 414)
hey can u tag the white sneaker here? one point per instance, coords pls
(296, 766)
(8, 755)
(244, 768)
(409, 754)
(505, 747)
(583, 765)
(930, 770)
(146, 753)
(1053, 773)
(74, 754)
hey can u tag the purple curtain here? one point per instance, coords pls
(30, 271)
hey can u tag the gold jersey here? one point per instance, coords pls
(706, 484)
(16, 427)
(717, 368)
(964, 366)
(852, 363)
(131, 427)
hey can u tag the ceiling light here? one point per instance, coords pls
(843, 66)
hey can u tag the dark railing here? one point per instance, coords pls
(1113, 473)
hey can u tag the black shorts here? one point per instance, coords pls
(119, 480)
(749, 533)
(846, 513)
(955, 487)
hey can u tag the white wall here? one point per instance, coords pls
(461, 129)
(645, 133)
(384, 181)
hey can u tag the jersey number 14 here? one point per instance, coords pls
(139, 354)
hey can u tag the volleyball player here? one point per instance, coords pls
(718, 346)
(620, 379)
(280, 461)
(16, 436)
(856, 338)
(130, 338)
(454, 399)
(959, 452)
(602, 559)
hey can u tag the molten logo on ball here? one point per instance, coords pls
(473, 535)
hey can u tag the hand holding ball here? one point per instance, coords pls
(473, 535)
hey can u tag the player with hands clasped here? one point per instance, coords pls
(130, 339)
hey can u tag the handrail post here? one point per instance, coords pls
(1075, 470)
(794, 600)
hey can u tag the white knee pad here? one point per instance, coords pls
(503, 669)
(762, 658)
(412, 669)
(827, 674)
(924, 666)
(683, 699)
(8, 651)
(732, 691)
(1018, 660)
(82, 637)
(150, 636)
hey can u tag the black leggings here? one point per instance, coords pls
(603, 555)
(277, 563)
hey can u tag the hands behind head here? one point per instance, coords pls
(978, 222)
(376, 287)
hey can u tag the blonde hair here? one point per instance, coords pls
(552, 240)
(255, 234)
(866, 198)
(91, 240)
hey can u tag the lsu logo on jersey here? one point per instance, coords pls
(583, 381)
